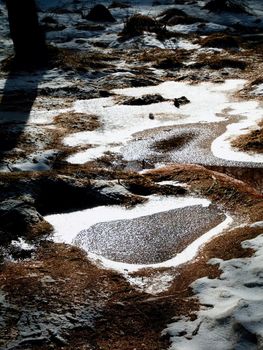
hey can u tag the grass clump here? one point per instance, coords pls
(174, 16)
(252, 141)
(219, 41)
(137, 24)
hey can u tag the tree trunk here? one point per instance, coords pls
(27, 36)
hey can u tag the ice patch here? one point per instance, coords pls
(186, 255)
(67, 226)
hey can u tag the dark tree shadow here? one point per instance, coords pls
(25, 72)
(19, 94)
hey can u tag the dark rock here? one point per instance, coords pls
(105, 93)
(226, 6)
(100, 13)
(151, 116)
(90, 27)
(118, 4)
(168, 63)
(144, 100)
(156, 3)
(137, 24)
(174, 16)
(181, 101)
(168, 14)
(16, 217)
(49, 19)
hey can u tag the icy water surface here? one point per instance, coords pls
(149, 239)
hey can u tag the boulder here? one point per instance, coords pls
(17, 217)
(226, 6)
(100, 13)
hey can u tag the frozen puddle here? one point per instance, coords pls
(149, 234)
(209, 103)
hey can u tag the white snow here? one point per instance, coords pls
(22, 244)
(172, 183)
(258, 90)
(120, 122)
(155, 284)
(209, 102)
(221, 147)
(233, 319)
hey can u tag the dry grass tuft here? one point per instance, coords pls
(137, 24)
(76, 122)
(252, 141)
(219, 41)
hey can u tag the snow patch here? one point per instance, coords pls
(152, 285)
(233, 319)
(120, 122)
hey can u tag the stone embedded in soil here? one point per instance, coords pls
(149, 239)
(100, 13)
(144, 100)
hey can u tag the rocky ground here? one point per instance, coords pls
(127, 164)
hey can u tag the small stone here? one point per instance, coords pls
(151, 116)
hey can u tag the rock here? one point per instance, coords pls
(118, 4)
(168, 63)
(137, 24)
(175, 16)
(100, 13)
(151, 116)
(144, 100)
(181, 101)
(225, 5)
(16, 217)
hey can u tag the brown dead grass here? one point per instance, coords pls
(252, 141)
(76, 122)
(220, 40)
(79, 61)
(234, 195)
(157, 55)
(220, 63)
